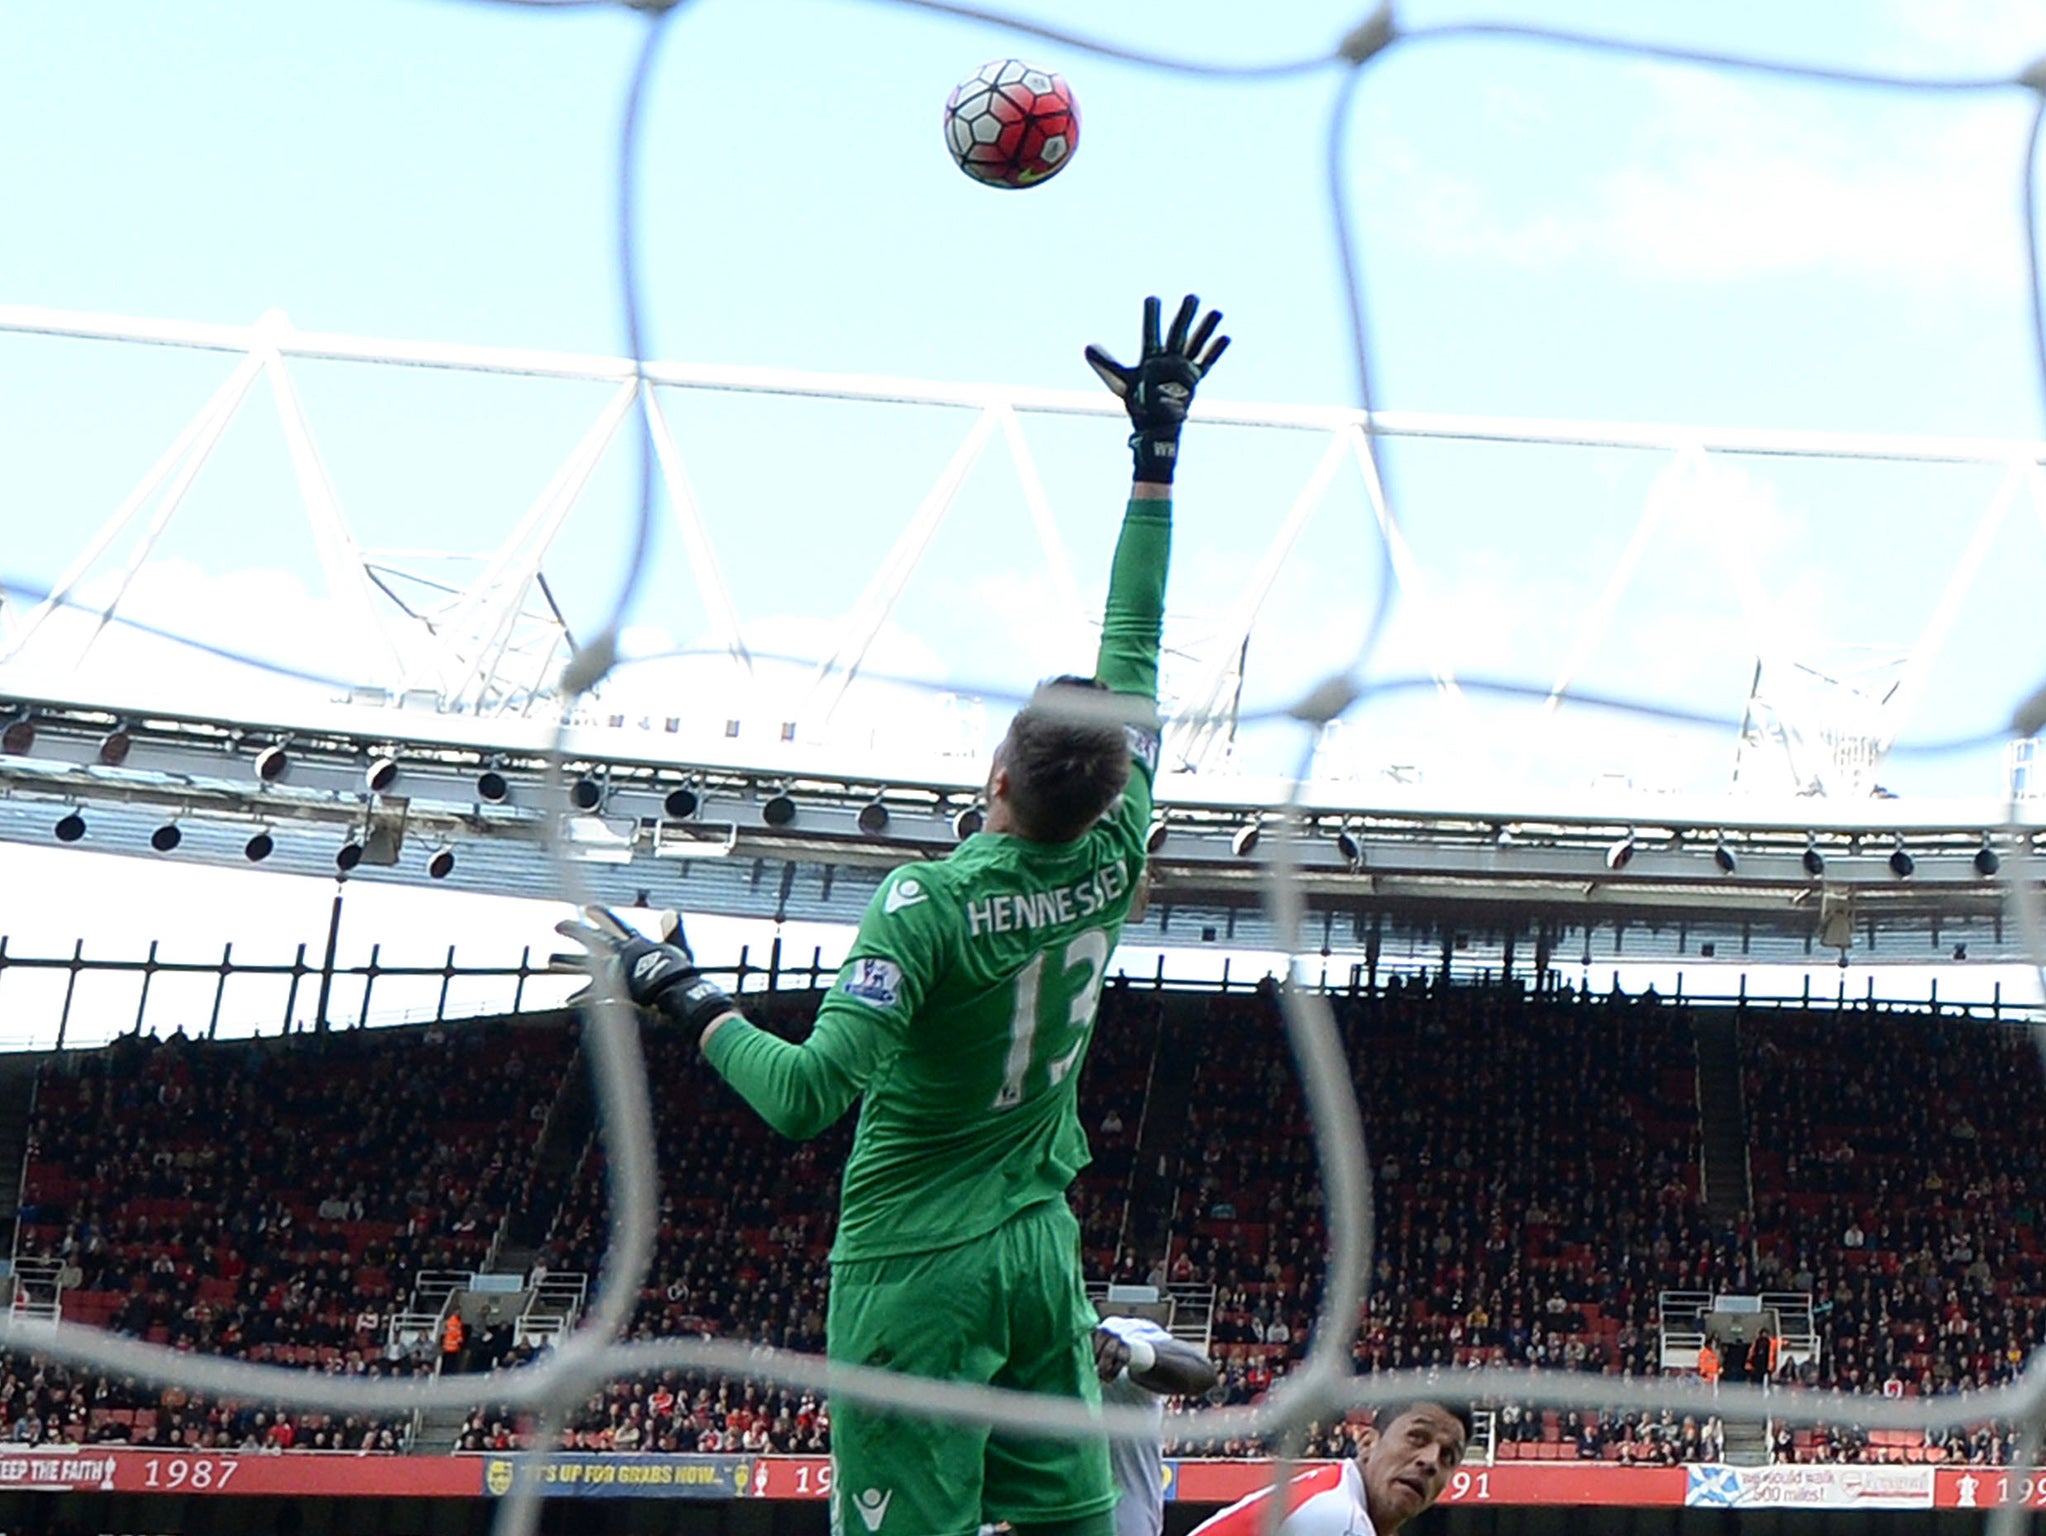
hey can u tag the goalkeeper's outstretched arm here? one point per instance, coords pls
(1134, 620)
(1156, 391)
(797, 1089)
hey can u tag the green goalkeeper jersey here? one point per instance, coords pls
(966, 1004)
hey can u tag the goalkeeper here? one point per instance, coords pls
(961, 1018)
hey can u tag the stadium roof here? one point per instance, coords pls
(426, 689)
(1642, 879)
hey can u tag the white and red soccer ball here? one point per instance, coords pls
(1012, 124)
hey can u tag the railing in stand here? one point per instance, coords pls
(1337, 978)
(777, 975)
(554, 1302)
(1484, 1442)
(1193, 1309)
(37, 1291)
(1683, 1327)
(1794, 1324)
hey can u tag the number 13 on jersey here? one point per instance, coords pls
(1052, 1017)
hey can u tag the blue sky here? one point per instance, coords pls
(1546, 234)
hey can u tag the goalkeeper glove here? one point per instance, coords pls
(660, 976)
(1158, 390)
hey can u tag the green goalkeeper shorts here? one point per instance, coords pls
(1008, 1310)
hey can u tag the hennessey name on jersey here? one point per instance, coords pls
(1043, 909)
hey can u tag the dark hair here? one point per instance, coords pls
(1067, 759)
(1389, 1412)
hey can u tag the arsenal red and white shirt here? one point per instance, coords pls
(1322, 1501)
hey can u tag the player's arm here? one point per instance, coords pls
(1156, 392)
(1157, 1362)
(799, 1089)
(802, 1088)
(1133, 622)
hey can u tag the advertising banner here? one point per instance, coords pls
(581, 1476)
(1224, 1482)
(791, 1477)
(1574, 1484)
(1984, 1488)
(308, 1473)
(1810, 1486)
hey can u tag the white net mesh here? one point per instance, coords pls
(1325, 1384)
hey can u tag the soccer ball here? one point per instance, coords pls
(1012, 124)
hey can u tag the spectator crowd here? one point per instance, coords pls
(1535, 1161)
(270, 1201)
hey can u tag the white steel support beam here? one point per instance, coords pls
(490, 638)
(348, 576)
(1661, 496)
(190, 449)
(1737, 555)
(1407, 571)
(836, 672)
(1055, 556)
(711, 586)
(1961, 581)
(483, 622)
(536, 363)
(1206, 716)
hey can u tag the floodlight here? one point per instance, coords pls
(71, 827)
(1244, 842)
(259, 847)
(381, 774)
(1814, 861)
(165, 839)
(1901, 863)
(349, 855)
(681, 803)
(19, 736)
(586, 794)
(873, 818)
(1723, 856)
(1987, 861)
(779, 811)
(442, 863)
(491, 786)
(114, 746)
(1155, 838)
(968, 822)
(272, 763)
(1621, 854)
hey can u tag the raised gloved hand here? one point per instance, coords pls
(1158, 390)
(662, 976)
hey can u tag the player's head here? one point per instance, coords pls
(1062, 764)
(1406, 1458)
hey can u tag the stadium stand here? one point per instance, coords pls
(1898, 1186)
(267, 1200)
(1516, 1139)
(1539, 1194)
